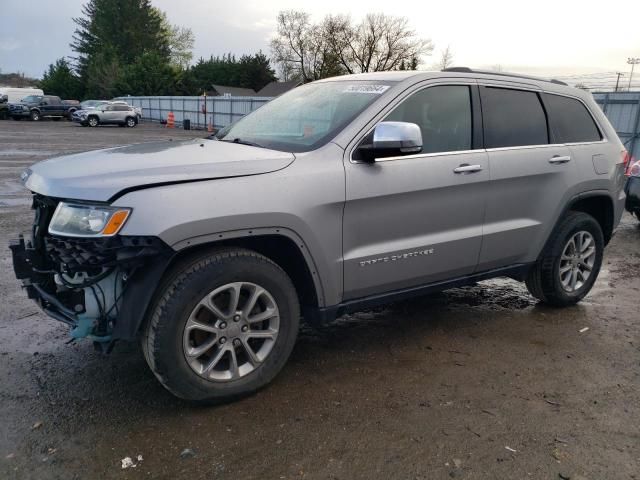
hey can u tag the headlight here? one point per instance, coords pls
(74, 220)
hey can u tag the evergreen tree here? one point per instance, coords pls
(120, 32)
(60, 80)
(251, 71)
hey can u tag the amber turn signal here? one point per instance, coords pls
(116, 222)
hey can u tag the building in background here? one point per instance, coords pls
(224, 91)
(275, 89)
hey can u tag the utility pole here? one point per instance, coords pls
(633, 62)
(618, 79)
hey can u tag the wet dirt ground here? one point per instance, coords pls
(473, 383)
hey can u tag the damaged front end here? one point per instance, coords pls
(100, 285)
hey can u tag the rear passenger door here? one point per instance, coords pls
(530, 175)
(54, 106)
(572, 124)
(121, 112)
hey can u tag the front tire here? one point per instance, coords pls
(35, 116)
(93, 121)
(222, 326)
(131, 122)
(570, 263)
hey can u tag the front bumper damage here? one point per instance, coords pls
(100, 287)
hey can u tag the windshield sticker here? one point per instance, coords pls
(375, 89)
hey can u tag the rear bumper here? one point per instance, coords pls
(632, 189)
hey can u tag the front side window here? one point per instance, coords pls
(570, 120)
(443, 114)
(512, 118)
(306, 117)
(32, 99)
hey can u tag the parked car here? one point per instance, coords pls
(4, 107)
(632, 188)
(15, 95)
(339, 195)
(110, 114)
(37, 107)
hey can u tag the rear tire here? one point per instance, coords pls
(570, 263)
(181, 323)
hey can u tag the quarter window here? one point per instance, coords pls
(570, 120)
(443, 113)
(512, 118)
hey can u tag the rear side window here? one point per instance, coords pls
(121, 108)
(570, 121)
(443, 113)
(513, 118)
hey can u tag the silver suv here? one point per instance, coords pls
(107, 114)
(340, 195)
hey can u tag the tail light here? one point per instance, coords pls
(633, 170)
(626, 156)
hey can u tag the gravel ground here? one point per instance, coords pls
(473, 383)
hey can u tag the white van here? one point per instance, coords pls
(17, 94)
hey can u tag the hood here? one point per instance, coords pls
(103, 174)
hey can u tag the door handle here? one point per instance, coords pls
(466, 168)
(560, 159)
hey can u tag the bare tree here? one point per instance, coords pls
(336, 45)
(446, 59)
(289, 47)
(382, 42)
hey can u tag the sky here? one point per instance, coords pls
(549, 38)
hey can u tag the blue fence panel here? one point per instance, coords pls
(220, 111)
(623, 111)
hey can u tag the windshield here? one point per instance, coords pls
(32, 99)
(306, 117)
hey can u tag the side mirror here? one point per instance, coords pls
(391, 139)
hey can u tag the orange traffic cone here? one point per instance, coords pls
(171, 120)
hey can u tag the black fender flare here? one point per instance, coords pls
(144, 282)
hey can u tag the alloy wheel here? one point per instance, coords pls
(577, 261)
(231, 331)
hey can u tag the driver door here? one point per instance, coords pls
(417, 219)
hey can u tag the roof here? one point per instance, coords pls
(274, 89)
(234, 91)
(459, 72)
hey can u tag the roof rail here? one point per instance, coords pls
(505, 74)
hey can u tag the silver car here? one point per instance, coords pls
(107, 114)
(337, 196)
